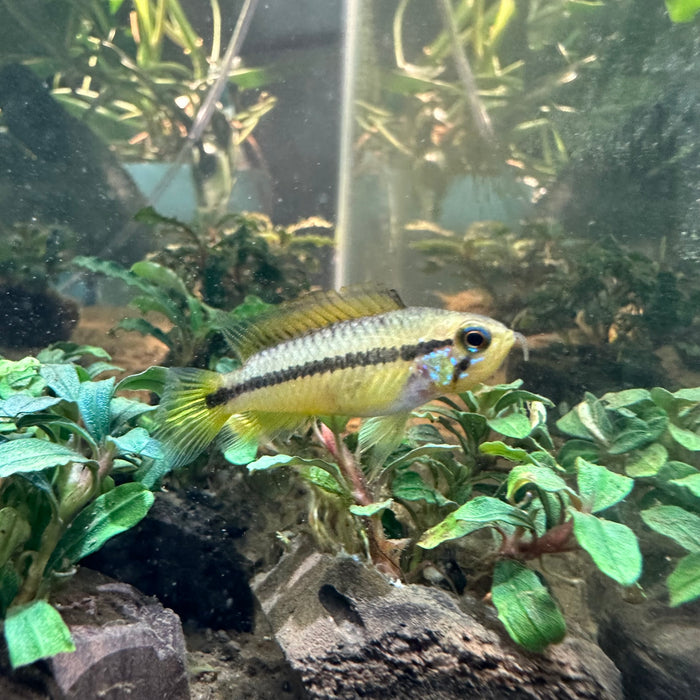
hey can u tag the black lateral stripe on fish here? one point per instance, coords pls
(365, 358)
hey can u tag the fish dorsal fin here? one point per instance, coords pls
(308, 313)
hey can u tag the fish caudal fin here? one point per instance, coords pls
(187, 423)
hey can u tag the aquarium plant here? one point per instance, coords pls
(70, 454)
(487, 463)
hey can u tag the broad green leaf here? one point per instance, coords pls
(571, 424)
(448, 529)
(514, 425)
(542, 477)
(35, 631)
(419, 453)
(571, 450)
(140, 325)
(632, 438)
(685, 438)
(599, 487)
(14, 532)
(123, 410)
(627, 397)
(648, 462)
(594, 417)
(33, 455)
(500, 449)
(688, 394)
(682, 10)
(159, 275)
(692, 482)
(409, 486)
(241, 451)
(153, 379)
(9, 587)
(684, 581)
(63, 380)
(519, 396)
(93, 403)
(323, 480)
(277, 461)
(108, 515)
(97, 368)
(612, 546)
(19, 404)
(525, 607)
(677, 523)
(371, 509)
(138, 441)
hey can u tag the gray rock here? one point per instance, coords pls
(656, 648)
(127, 645)
(350, 633)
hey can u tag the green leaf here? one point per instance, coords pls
(573, 449)
(685, 438)
(371, 509)
(35, 631)
(514, 425)
(93, 403)
(419, 453)
(599, 487)
(612, 546)
(140, 325)
(409, 486)
(682, 10)
(19, 404)
(628, 397)
(33, 455)
(684, 581)
(97, 368)
(277, 461)
(63, 380)
(674, 522)
(486, 510)
(9, 587)
(500, 449)
(594, 417)
(448, 529)
(108, 515)
(137, 441)
(689, 394)
(542, 477)
(323, 480)
(570, 424)
(648, 462)
(692, 482)
(525, 607)
(159, 275)
(153, 379)
(123, 410)
(14, 532)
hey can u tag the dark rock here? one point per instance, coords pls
(127, 645)
(350, 633)
(183, 552)
(656, 648)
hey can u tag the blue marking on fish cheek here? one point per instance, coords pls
(439, 366)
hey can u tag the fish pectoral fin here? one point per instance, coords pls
(242, 433)
(308, 313)
(382, 435)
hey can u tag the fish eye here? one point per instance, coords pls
(475, 338)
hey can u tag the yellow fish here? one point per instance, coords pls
(329, 353)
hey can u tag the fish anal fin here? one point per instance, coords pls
(382, 435)
(308, 313)
(243, 431)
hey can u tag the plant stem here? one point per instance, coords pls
(379, 547)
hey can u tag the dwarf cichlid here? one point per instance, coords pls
(329, 353)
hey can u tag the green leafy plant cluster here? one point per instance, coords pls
(70, 448)
(489, 464)
(545, 280)
(242, 254)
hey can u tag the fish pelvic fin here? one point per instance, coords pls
(243, 431)
(382, 435)
(310, 312)
(187, 423)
